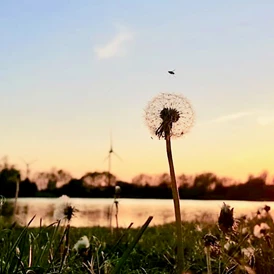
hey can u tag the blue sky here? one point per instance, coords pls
(72, 70)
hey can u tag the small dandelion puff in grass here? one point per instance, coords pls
(169, 114)
(229, 244)
(242, 219)
(232, 248)
(263, 212)
(64, 209)
(260, 230)
(210, 239)
(267, 208)
(244, 231)
(212, 246)
(82, 244)
(226, 220)
(248, 252)
(117, 191)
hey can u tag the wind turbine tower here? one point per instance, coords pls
(109, 157)
(28, 164)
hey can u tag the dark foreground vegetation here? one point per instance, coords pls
(229, 246)
(101, 185)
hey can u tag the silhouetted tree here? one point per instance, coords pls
(185, 180)
(9, 178)
(143, 179)
(204, 183)
(53, 179)
(75, 188)
(164, 178)
(98, 179)
(27, 188)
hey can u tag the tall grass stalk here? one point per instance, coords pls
(11, 251)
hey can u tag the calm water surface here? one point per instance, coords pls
(96, 212)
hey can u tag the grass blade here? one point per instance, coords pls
(131, 246)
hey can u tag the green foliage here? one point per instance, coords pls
(146, 250)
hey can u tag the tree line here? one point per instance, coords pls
(205, 186)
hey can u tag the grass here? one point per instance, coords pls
(207, 249)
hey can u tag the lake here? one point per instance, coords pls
(96, 212)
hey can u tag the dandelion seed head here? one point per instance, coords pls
(169, 114)
(64, 209)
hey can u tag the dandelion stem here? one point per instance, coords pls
(116, 214)
(176, 200)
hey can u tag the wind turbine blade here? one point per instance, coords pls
(23, 160)
(32, 162)
(110, 137)
(106, 158)
(117, 156)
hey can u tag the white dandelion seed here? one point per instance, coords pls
(244, 230)
(117, 190)
(83, 243)
(260, 230)
(229, 244)
(248, 252)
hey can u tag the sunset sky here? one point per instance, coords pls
(71, 71)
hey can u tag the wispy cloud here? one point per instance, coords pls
(116, 46)
(265, 120)
(262, 117)
(231, 117)
(227, 118)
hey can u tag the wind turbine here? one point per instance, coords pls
(28, 164)
(109, 157)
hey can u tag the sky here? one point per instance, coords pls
(73, 71)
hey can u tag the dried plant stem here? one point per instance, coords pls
(116, 213)
(176, 200)
(208, 262)
(16, 196)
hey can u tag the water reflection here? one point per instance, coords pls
(96, 212)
